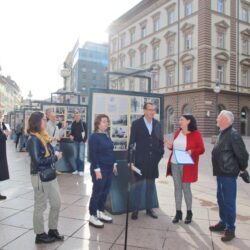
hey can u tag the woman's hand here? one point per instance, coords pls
(168, 144)
(58, 155)
(189, 152)
(98, 175)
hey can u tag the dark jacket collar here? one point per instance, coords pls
(226, 129)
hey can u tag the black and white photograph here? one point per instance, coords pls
(134, 117)
(120, 145)
(135, 104)
(119, 132)
(121, 120)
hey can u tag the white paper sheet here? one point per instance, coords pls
(183, 157)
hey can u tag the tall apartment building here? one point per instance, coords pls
(89, 66)
(192, 44)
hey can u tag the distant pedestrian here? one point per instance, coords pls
(229, 158)
(79, 136)
(189, 139)
(20, 135)
(4, 171)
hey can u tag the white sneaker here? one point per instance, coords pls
(80, 173)
(104, 217)
(75, 172)
(94, 221)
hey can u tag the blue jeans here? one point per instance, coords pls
(100, 190)
(226, 198)
(149, 194)
(79, 153)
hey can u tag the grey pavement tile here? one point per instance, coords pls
(109, 233)
(68, 226)
(69, 198)
(80, 244)
(9, 233)
(75, 212)
(23, 219)
(84, 201)
(121, 247)
(196, 227)
(27, 242)
(143, 238)
(17, 203)
(187, 241)
(235, 244)
(6, 212)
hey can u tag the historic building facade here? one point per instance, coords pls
(197, 49)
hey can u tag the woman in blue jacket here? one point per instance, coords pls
(102, 159)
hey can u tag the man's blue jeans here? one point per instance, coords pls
(79, 153)
(226, 198)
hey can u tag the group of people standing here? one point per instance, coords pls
(229, 158)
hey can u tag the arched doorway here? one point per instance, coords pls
(187, 109)
(220, 108)
(243, 121)
(169, 114)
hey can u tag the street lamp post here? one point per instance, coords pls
(217, 90)
(29, 98)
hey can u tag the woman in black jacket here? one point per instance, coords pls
(4, 172)
(43, 157)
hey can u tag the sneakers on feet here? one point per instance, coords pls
(80, 173)
(94, 221)
(104, 217)
(75, 172)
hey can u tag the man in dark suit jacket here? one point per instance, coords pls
(147, 139)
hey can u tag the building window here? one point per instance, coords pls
(122, 41)
(156, 23)
(245, 14)
(156, 53)
(170, 77)
(122, 84)
(114, 65)
(143, 87)
(245, 77)
(143, 57)
(170, 48)
(143, 31)
(114, 45)
(155, 80)
(187, 109)
(187, 73)
(170, 120)
(188, 8)
(132, 60)
(131, 84)
(221, 40)
(170, 16)
(188, 41)
(122, 61)
(132, 35)
(221, 6)
(220, 73)
(245, 46)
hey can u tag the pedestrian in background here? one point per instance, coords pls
(43, 157)
(229, 158)
(79, 135)
(4, 171)
(189, 139)
(102, 159)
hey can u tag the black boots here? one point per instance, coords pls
(134, 215)
(54, 233)
(44, 238)
(189, 216)
(177, 217)
(228, 235)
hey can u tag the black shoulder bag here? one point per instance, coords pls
(48, 174)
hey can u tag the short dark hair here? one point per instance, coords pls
(145, 106)
(34, 123)
(98, 120)
(192, 126)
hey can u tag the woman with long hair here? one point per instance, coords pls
(45, 188)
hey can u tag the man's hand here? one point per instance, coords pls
(71, 137)
(98, 175)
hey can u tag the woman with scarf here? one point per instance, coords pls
(43, 157)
